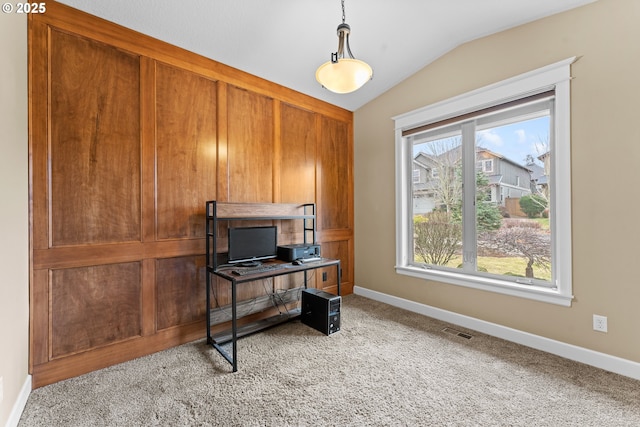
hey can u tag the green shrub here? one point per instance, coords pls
(533, 205)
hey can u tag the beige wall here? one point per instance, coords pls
(605, 173)
(14, 250)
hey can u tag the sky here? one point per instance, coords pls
(516, 140)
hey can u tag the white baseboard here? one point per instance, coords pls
(20, 403)
(604, 361)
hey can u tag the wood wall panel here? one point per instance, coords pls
(186, 151)
(129, 137)
(296, 165)
(95, 142)
(220, 292)
(94, 306)
(39, 325)
(249, 146)
(181, 290)
(335, 175)
(297, 155)
(39, 129)
(339, 250)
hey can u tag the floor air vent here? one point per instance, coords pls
(457, 333)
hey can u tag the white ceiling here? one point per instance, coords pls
(284, 41)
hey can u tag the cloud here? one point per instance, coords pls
(490, 137)
(521, 135)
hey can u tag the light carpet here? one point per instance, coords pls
(386, 367)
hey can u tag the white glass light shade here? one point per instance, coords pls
(344, 76)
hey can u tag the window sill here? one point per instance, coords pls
(552, 296)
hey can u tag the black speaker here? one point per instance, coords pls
(321, 310)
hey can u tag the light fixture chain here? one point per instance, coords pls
(343, 14)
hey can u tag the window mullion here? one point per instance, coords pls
(469, 238)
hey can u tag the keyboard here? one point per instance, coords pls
(255, 270)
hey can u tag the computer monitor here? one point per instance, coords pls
(248, 244)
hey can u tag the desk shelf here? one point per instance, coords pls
(220, 211)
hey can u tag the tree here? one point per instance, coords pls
(436, 237)
(533, 204)
(445, 155)
(488, 215)
(528, 242)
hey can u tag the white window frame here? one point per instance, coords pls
(556, 77)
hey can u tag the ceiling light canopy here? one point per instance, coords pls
(340, 74)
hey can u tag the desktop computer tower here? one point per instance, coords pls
(321, 310)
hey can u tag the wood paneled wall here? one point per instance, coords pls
(129, 136)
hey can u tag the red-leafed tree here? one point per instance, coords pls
(520, 240)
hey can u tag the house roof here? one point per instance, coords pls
(494, 179)
(543, 180)
(537, 171)
(506, 159)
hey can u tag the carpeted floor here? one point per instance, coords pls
(386, 367)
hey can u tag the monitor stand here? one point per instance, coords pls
(250, 264)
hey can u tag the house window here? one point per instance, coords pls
(486, 166)
(465, 240)
(416, 176)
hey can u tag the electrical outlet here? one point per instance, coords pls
(599, 323)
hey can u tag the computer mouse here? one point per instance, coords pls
(297, 262)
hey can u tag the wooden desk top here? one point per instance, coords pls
(281, 268)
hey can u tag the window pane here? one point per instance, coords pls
(437, 227)
(512, 203)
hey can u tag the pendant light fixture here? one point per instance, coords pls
(340, 74)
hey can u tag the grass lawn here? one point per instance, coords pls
(506, 265)
(511, 266)
(544, 222)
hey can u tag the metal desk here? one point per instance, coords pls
(226, 273)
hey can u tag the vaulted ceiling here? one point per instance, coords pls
(284, 41)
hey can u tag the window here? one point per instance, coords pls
(416, 176)
(486, 166)
(465, 238)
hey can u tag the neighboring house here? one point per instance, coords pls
(507, 178)
(538, 175)
(425, 183)
(542, 181)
